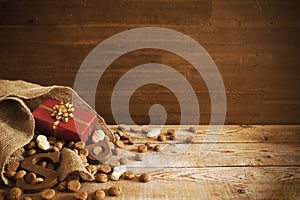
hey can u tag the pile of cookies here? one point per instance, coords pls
(112, 170)
(41, 144)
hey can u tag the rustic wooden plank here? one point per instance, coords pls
(222, 13)
(224, 154)
(208, 183)
(243, 170)
(256, 146)
(257, 113)
(238, 133)
(51, 59)
(252, 103)
(217, 184)
(247, 39)
(264, 9)
(94, 34)
(78, 12)
(139, 111)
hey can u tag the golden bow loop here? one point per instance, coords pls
(62, 112)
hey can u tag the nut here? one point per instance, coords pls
(52, 140)
(62, 186)
(192, 129)
(43, 164)
(149, 145)
(98, 136)
(37, 181)
(47, 194)
(139, 157)
(79, 145)
(115, 191)
(101, 178)
(14, 194)
(117, 137)
(63, 142)
(71, 144)
(142, 148)
(156, 148)
(99, 195)
(120, 133)
(120, 144)
(30, 145)
(145, 177)
(31, 152)
(74, 185)
(30, 177)
(42, 142)
(20, 174)
(3, 194)
(105, 169)
(81, 195)
(129, 175)
(84, 152)
(13, 166)
(146, 130)
(172, 137)
(92, 168)
(131, 140)
(171, 131)
(27, 198)
(135, 129)
(59, 145)
(161, 138)
(114, 163)
(116, 151)
(125, 137)
(124, 161)
(55, 149)
(189, 139)
(9, 174)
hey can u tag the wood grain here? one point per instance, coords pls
(254, 43)
(208, 183)
(230, 171)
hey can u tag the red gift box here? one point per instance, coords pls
(77, 128)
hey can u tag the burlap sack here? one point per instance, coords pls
(17, 100)
(71, 164)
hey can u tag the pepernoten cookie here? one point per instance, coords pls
(99, 195)
(50, 166)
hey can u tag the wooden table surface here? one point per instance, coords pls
(247, 162)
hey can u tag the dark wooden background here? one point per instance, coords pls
(255, 44)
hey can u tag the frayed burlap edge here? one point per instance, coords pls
(17, 100)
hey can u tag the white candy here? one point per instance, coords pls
(41, 138)
(42, 142)
(118, 171)
(97, 136)
(153, 133)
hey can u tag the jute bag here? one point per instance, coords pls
(17, 100)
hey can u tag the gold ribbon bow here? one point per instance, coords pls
(62, 113)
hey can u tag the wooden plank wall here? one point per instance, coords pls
(255, 44)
